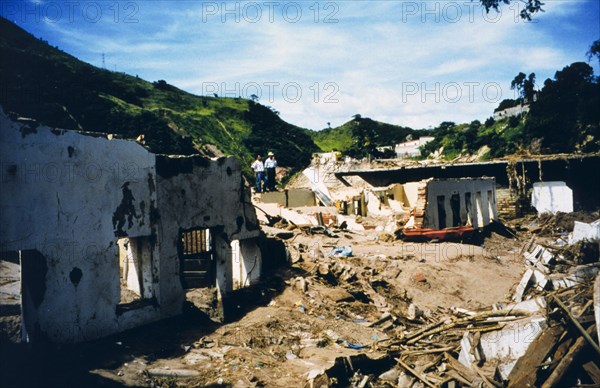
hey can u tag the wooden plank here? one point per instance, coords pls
(486, 381)
(562, 349)
(468, 374)
(593, 371)
(586, 335)
(415, 373)
(524, 373)
(567, 361)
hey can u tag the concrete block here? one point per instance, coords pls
(552, 197)
(539, 255)
(522, 286)
(505, 346)
(575, 276)
(277, 197)
(585, 231)
(300, 197)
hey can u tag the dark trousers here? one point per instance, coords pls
(270, 183)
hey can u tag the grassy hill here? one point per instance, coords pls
(57, 89)
(334, 139)
(362, 135)
(564, 118)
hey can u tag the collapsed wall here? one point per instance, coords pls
(107, 233)
(458, 202)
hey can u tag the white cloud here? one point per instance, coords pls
(370, 55)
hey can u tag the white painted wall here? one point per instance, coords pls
(60, 192)
(411, 192)
(71, 196)
(552, 197)
(246, 263)
(196, 193)
(483, 201)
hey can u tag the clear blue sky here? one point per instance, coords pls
(412, 63)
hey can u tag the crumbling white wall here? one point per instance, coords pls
(69, 197)
(246, 263)
(194, 192)
(375, 207)
(411, 193)
(476, 202)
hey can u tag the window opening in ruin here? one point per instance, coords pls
(135, 268)
(441, 207)
(22, 290)
(469, 208)
(491, 203)
(197, 258)
(455, 206)
(478, 209)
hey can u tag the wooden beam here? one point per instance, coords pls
(585, 334)
(593, 371)
(415, 373)
(524, 373)
(567, 361)
(467, 373)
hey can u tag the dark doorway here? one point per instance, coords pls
(197, 258)
(441, 207)
(455, 206)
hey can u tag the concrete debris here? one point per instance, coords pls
(552, 197)
(355, 305)
(506, 345)
(584, 231)
(317, 177)
(546, 269)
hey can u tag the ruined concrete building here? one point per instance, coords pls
(446, 203)
(109, 235)
(515, 179)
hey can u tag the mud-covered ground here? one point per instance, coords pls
(292, 326)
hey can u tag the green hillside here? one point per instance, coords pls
(334, 139)
(360, 136)
(563, 118)
(41, 82)
(57, 89)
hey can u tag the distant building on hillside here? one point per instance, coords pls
(510, 112)
(385, 148)
(410, 149)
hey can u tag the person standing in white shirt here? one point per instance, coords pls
(259, 171)
(270, 165)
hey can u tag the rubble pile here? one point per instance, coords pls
(343, 320)
(532, 342)
(362, 305)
